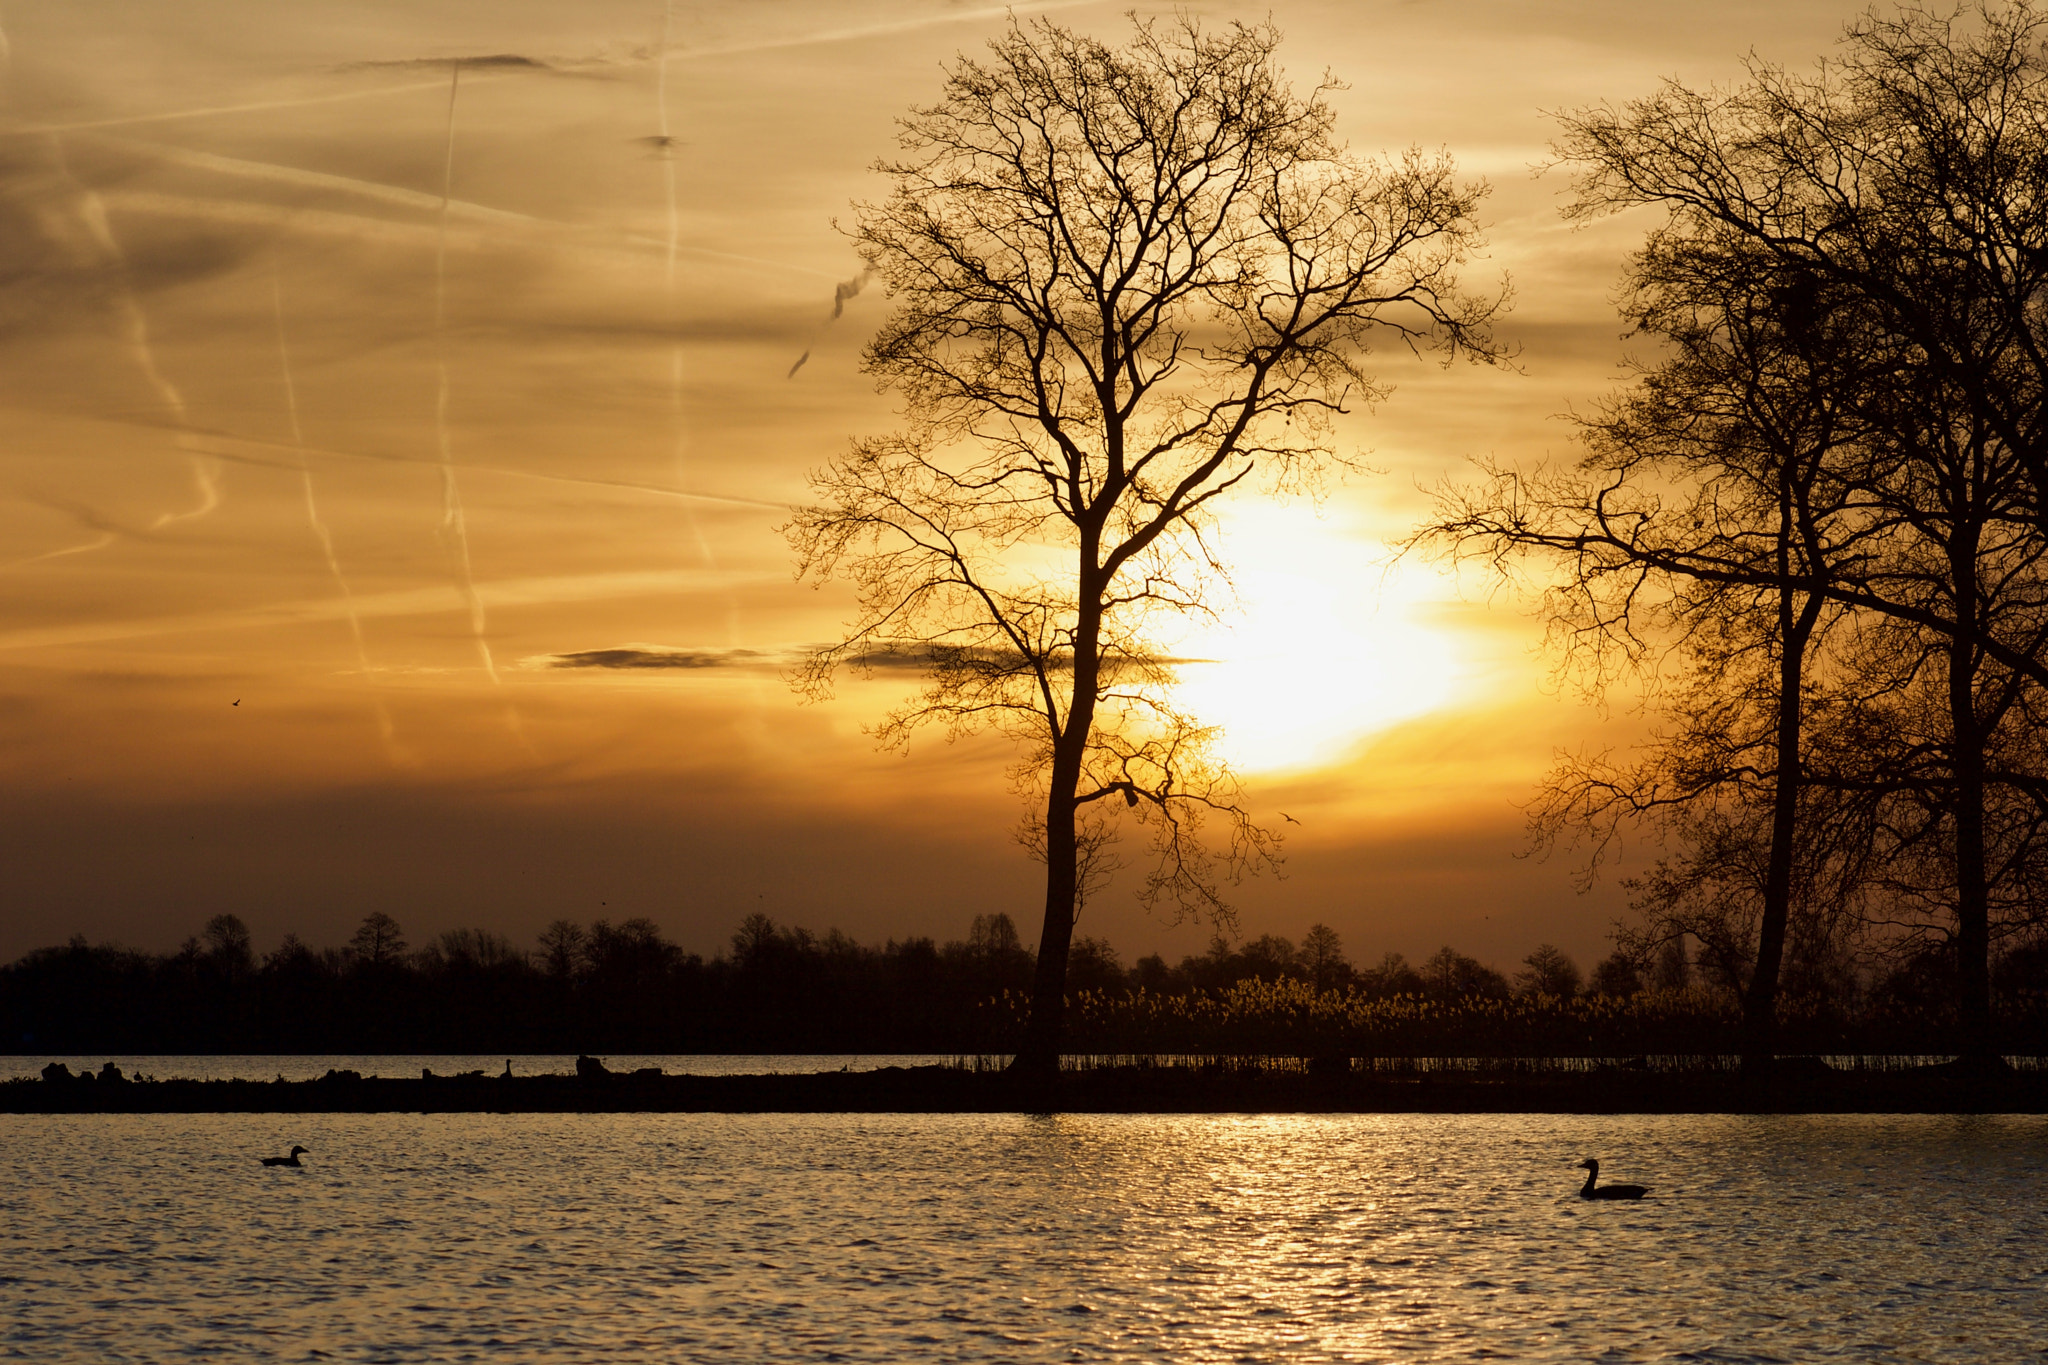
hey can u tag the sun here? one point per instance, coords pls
(1323, 649)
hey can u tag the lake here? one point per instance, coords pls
(1015, 1238)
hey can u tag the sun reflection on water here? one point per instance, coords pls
(1002, 1237)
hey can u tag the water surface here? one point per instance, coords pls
(1013, 1238)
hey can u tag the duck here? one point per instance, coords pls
(1587, 1191)
(291, 1160)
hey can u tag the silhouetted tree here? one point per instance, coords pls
(378, 941)
(1127, 281)
(1903, 181)
(1699, 537)
(1322, 958)
(1617, 975)
(1449, 974)
(561, 947)
(1671, 967)
(1093, 965)
(228, 947)
(1392, 976)
(1547, 971)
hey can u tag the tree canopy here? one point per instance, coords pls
(1129, 283)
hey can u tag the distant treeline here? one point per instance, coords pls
(624, 987)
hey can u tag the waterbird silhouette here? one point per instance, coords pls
(1288, 818)
(292, 1160)
(1587, 1191)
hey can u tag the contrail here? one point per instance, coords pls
(101, 542)
(254, 107)
(92, 213)
(318, 524)
(677, 412)
(436, 600)
(839, 35)
(454, 526)
(559, 236)
(235, 448)
(845, 35)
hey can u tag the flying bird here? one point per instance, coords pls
(1288, 818)
(236, 702)
(292, 1160)
(1607, 1191)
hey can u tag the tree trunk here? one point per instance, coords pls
(1973, 900)
(1795, 629)
(1040, 1054)
(1974, 1042)
(1760, 1002)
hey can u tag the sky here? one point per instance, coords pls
(371, 374)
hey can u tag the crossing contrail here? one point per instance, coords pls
(91, 214)
(813, 39)
(454, 524)
(233, 447)
(99, 542)
(678, 414)
(385, 729)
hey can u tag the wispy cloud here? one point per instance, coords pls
(847, 289)
(883, 657)
(497, 61)
(652, 656)
(825, 37)
(440, 598)
(645, 656)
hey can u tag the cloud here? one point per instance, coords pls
(651, 656)
(848, 289)
(886, 657)
(500, 61)
(645, 656)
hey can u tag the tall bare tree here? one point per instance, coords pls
(1129, 283)
(1904, 179)
(1700, 532)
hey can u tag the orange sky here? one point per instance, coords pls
(306, 484)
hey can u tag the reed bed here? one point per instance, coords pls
(1290, 1022)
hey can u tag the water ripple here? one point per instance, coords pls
(1006, 1238)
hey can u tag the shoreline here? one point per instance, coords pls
(1127, 1090)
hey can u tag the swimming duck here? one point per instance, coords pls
(1587, 1191)
(292, 1160)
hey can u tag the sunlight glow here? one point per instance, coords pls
(1323, 650)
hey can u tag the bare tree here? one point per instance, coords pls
(378, 941)
(1903, 179)
(561, 948)
(1129, 282)
(1549, 972)
(1695, 546)
(1322, 957)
